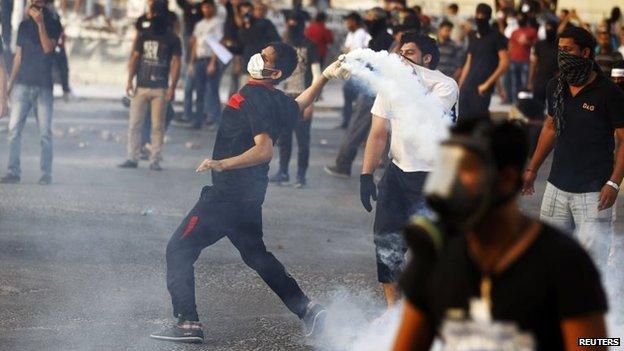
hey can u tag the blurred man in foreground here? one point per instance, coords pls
(487, 275)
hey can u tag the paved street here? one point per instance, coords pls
(82, 261)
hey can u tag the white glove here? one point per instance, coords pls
(336, 71)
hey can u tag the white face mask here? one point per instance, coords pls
(256, 66)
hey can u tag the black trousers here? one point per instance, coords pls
(211, 219)
(472, 105)
(400, 197)
(349, 94)
(356, 133)
(285, 141)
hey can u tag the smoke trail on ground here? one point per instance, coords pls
(352, 325)
(412, 106)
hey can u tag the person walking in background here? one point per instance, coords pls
(143, 25)
(606, 54)
(232, 43)
(255, 31)
(191, 14)
(542, 69)
(30, 87)
(205, 69)
(360, 122)
(320, 35)
(308, 69)
(585, 111)
(155, 61)
(487, 60)
(520, 44)
(451, 54)
(60, 55)
(357, 38)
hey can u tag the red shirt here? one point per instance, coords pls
(319, 35)
(520, 43)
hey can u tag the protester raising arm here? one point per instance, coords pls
(333, 71)
(48, 44)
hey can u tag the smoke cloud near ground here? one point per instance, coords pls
(386, 74)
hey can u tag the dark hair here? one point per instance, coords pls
(286, 60)
(321, 17)
(207, 2)
(244, 4)
(616, 13)
(446, 23)
(453, 7)
(484, 9)
(583, 38)
(507, 142)
(426, 45)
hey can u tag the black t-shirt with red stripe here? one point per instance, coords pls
(256, 109)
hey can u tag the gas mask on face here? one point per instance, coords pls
(456, 204)
(256, 68)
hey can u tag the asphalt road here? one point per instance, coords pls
(82, 260)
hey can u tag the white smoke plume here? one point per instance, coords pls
(417, 110)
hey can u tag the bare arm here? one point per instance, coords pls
(465, 70)
(532, 69)
(503, 64)
(174, 75)
(308, 96)
(414, 332)
(47, 43)
(618, 168)
(592, 326)
(3, 88)
(375, 145)
(132, 67)
(17, 63)
(260, 153)
(545, 144)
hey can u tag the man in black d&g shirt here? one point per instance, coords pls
(503, 278)
(585, 110)
(487, 60)
(232, 207)
(155, 62)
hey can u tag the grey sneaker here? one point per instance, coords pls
(280, 178)
(129, 164)
(155, 166)
(300, 183)
(186, 333)
(45, 179)
(335, 172)
(10, 178)
(314, 319)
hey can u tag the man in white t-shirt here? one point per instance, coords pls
(357, 38)
(400, 189)
(204, 69)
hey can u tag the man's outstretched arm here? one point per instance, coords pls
(333, 71)
(260, 153)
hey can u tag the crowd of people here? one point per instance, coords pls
(478, 258)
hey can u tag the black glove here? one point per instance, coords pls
(367, 190)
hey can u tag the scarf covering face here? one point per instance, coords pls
(573, 70)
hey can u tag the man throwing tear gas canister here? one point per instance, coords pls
(232, 207)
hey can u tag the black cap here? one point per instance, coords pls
(353, 16)
(484, 9)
